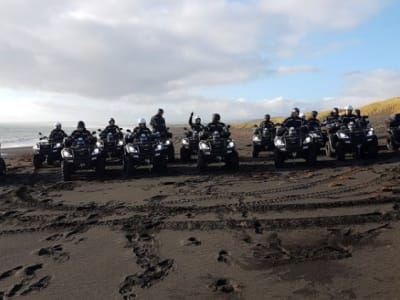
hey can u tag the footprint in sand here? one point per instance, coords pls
(56, 252)
(9, 273)
(224, 257)
(225, 285)
(193, 241)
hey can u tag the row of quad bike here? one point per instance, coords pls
(335, 140)
(155, 151)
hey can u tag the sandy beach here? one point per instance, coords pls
(329, 232)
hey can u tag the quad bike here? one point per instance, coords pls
(145, 150)
(166, 139)
(46, 149)
(217, 148)
(393, 133)
(81, 154)
(3, 168)
(112, 146)
(190, 145)
(295, 143)
(263, 140)
(352, 139)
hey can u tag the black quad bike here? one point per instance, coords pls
(295, 143)
(112, 146)
(318, 136)
(46, 150)
(145, 150)
(190, 144)
(215, 149)
(166, 139)
(81, 154)
(3, 167)
(393, 137)
(352, 139)
(263, 140)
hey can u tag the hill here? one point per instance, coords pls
(382, 108)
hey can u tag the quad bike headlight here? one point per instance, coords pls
(204, 146)
(371, 132)
(231, 145)
(96, 151)
(307, 140)
(256, 138)
(58, 145)
(342, 135)
(131, 149)
(66, 153)
(185, 142)
(159, 147)
(167, 142)
(279, 143)
(120, 143)
(36, 147)
(99, 144)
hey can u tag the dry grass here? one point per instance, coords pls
(386, 107)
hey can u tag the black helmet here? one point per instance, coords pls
(296, 109)
(357, 111)
(111, 121)
(314, 113)
(335, 109)
(267, 117)
(160, 111)
(216, 117)
(81, 125)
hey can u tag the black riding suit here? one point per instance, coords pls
(57, 135)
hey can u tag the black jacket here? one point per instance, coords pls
(114, 129)
(158, 123)
(57, 135)
(194, 126)
(293, 122)
(266, 124)
(86, 134)
(313, 123)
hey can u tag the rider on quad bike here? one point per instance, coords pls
(266, 123)
(57, 135)
(159, 127)
(263, 138)
(217, 126)
(81, 131)
(348, 116)
(190, 143)
(196, 126)
(113, 129)
(139, 130)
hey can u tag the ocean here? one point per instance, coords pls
(26, 135)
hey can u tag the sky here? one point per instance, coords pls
(91, 60)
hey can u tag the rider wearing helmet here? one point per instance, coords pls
(111, 128)
(333, 116)
(141, 128)
(313, 122)
(217, 125)
(362, 121)
(196, 126)
(348, 116)
(81, 131)
(57, 135)
(266, 123)
(294, 120)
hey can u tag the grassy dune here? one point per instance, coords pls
(386, 108)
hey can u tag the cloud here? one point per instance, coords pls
(145, 48)
(360, 88)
